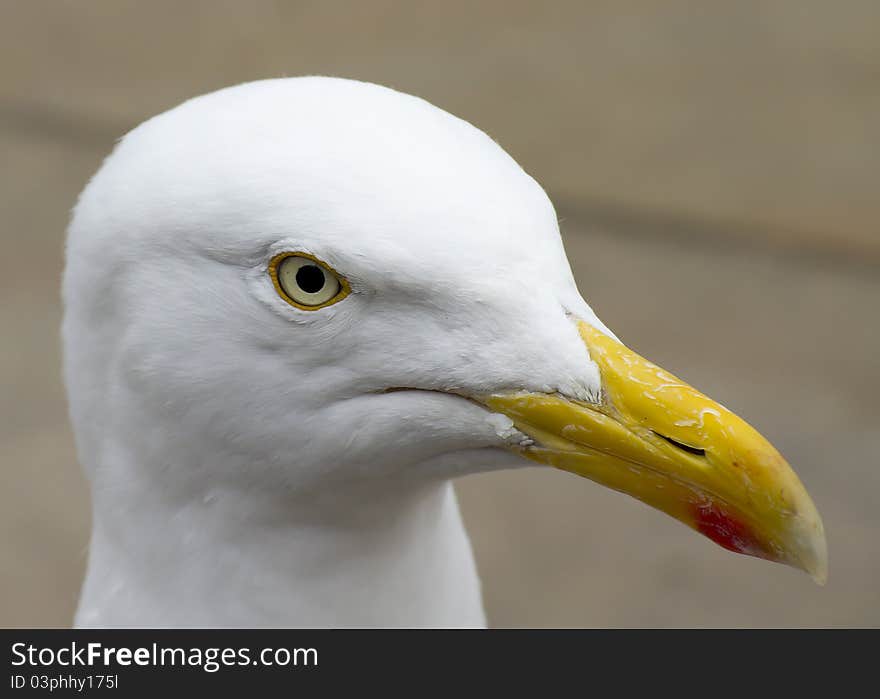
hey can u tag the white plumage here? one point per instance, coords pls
(247, 467)
(255, 463)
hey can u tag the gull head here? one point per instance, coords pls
(307, 285)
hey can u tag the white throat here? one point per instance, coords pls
(379, 554)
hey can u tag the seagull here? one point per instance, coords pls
(295, 311)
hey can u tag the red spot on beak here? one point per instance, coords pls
(727, 531)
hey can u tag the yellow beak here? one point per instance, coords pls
(656, 438)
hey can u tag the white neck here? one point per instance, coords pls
(253, 559)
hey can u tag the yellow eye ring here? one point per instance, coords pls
(305, 282)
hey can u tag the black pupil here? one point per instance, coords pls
(310, 278)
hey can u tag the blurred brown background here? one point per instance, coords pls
(716, 166)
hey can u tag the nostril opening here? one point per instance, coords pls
(696, 451)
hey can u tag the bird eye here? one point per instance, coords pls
(305, 282)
